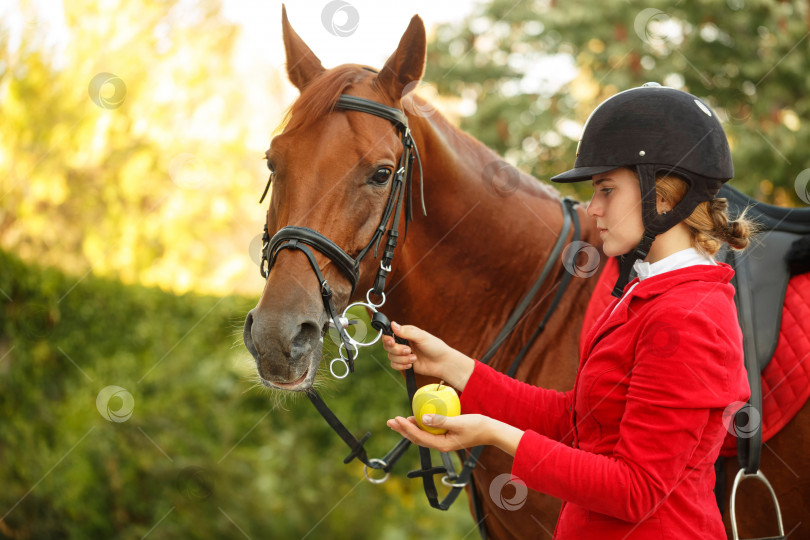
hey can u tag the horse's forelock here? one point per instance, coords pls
(320, 96)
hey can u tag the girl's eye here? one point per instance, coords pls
(606, 190)
(381, 175)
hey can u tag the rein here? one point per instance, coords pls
(303, 238)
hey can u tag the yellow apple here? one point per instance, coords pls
(435, 399)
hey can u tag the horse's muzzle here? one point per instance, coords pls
(286, 351)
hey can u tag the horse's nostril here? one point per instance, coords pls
(308, 334)
(247, 335)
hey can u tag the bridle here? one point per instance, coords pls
(303, 238)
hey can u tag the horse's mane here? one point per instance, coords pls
(320, 96)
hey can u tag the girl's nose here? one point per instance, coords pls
(594, 209)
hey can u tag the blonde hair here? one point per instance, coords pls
(709, 223)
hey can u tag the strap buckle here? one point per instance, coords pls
(447, 481)
(382, 466)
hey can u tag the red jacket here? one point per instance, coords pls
(631, 448)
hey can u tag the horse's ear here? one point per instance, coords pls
(407, 64)
(302, 64)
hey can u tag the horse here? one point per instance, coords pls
(459, 270)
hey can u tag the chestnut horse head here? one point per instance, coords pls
(333, 176)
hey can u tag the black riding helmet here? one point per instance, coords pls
(654, 129)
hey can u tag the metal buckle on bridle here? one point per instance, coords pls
(264, 265)
(370, 303)
(351, 341)
(447, 481)
(382, 465)
(342, 360)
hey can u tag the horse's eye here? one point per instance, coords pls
(270, 166)
(381, 175)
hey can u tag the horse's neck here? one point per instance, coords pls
(464, 267)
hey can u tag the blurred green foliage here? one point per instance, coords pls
(534, 71)
(123, 136)
(206, 453)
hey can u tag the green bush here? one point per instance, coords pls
(206, 453)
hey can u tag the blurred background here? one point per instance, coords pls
(132, 136)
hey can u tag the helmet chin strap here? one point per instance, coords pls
(655, 223)
(627, 260)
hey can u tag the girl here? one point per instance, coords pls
(631, 448)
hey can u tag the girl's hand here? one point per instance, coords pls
(428, 355)
(465, 431)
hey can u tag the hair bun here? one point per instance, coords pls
(738, 233)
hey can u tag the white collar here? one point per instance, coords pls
(680, 259)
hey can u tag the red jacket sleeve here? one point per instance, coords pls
(671, 421)
(516, 403)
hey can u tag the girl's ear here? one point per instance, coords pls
(662, 205)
